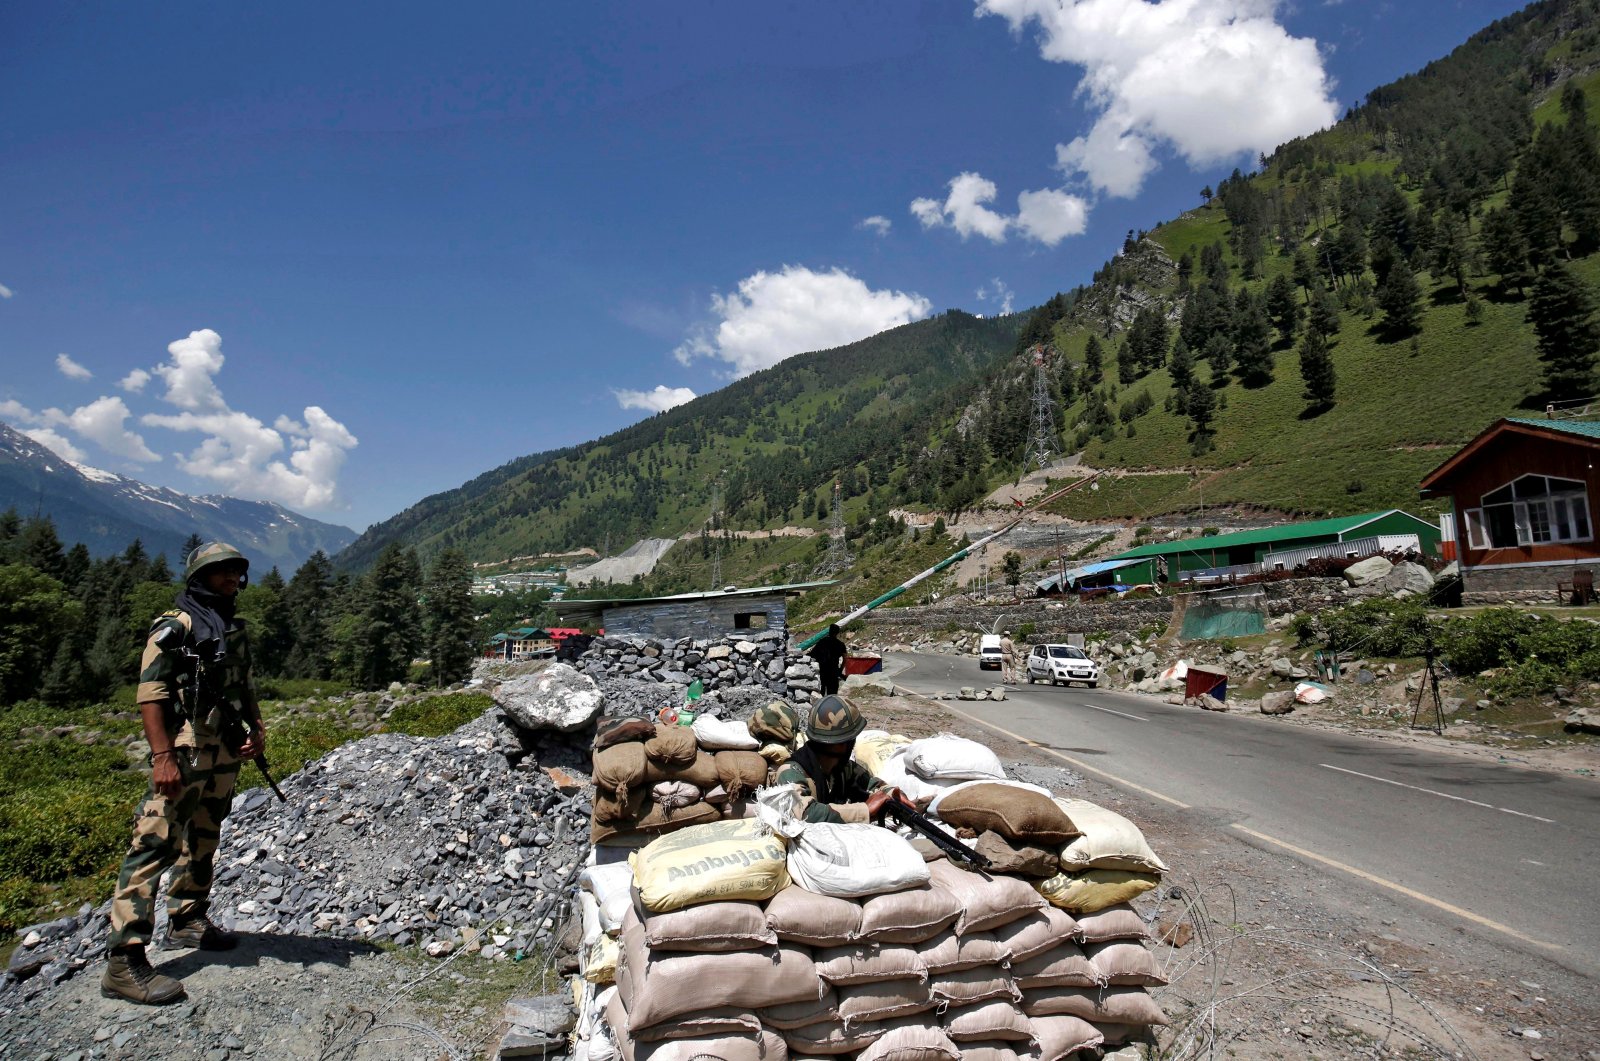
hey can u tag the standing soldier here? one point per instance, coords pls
(830, 654)
(1008, 666)
(195, 686)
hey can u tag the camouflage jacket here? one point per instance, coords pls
(851, 783)
(233, 690)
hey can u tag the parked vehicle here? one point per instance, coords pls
(989, 652)
(1062, 663)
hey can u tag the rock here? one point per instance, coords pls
(557, 698)
(1583, 720)
(1282, 667)
(1407, 580)
(1451, 704)
(1363, 572)
(517, 1043)
(997, 693)
(1365, 677)
(1279, 703)
(24, 963)
(1211, 703)
(549, 1014)
(967, 692)
(565, 783)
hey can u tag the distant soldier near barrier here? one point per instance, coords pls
(197, 700)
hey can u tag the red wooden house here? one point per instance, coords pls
(1524, 495)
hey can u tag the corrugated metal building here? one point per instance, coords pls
(718, 613)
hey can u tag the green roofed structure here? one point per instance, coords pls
(1280, 548)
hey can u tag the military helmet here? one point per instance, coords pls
(775, 724)
(212, 553)
(834, 720)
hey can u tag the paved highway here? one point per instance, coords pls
(1506, 852)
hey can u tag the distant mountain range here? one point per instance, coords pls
(106, 511)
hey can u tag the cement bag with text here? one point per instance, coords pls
(873, 746)
(844, 861)
(738, 859)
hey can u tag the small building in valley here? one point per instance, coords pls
(1524, 512)
(705, 616)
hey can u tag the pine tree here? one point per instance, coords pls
(1305, 270)
(309, 608)
(1200, 404)
(190, 544)
(1504, 249)
(1093, 362)
(1316, 368)
(1252, 340)
(1400, 298)
(1324, 311)
(1218, 353)
(1127, 363)
(1562, 311)
(390, 621)
(40, 549)
(1283, 306)
(448, 606)
(1181, 366)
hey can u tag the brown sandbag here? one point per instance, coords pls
(912, 1042)
(741, 772)
(714, 927)
(703, 1024)
(672, 745)
(1110, 1005)
(762, 1046)
(611, 731)
(1062, 1036)
(700, 771)
(1114, 922)
(966, 986)
(1040, 931)
(801, 916)
(1065, 966)
(831, 1037)
(609, 811)
(985, 903)
(1016, 813)
(661, 820)
(619, 769)
(948, 952)
(882, 1000)
(803, 1014)
(1125, 963)
(676, 983)
(867, 964)
(993, 1050)
(910, 916)
(987, 1020)
(1017, 859)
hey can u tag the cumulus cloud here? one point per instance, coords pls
(244, 456)
(104, 422)
(190, 374)
(656, 401)
(70, 368)
(1046, 216)
(17, 413)
(6, 292)
(1049, 216)
(57, 443)
(776, 315)
(997, 290)
(877, 224)
(134, 381)
(1209, 79)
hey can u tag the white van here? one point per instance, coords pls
(989, 652)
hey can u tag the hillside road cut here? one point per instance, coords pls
(1507, 853)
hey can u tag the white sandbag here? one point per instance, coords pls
(933, 808)
(893, 772)
(948, 757)
(717, 735)
(873, 746)
(589, 919)
(612, 888)
(844, 861)
(1109, 841)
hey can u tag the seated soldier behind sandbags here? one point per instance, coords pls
(836, 787)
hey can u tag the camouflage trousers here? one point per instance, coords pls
(167, 833)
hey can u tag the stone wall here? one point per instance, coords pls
(762, 660)
(704, 618)
(1528, 585)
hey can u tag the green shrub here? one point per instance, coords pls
(1026, 631)
(435, 716)
(1304, 628)
(17, 901)
(1379, 627)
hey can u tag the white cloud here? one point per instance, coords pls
(17, 413)
(134, 381)
(6, 292)
(70, 368)
(1048, 216)
(58, 443)
(656, 401)
(964, 210)
(877, 223)
(776, 315)
(997, 290)
(1211, 79)
(104, 422)
(243, 455)
(188, 375)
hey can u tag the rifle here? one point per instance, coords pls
(919, 823)
(192, 680)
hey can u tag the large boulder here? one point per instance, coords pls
(1407, 580)
(1363, 572)
(1279, 703)
(558, 697)
(1582, 720)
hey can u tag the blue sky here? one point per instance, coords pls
(344, 256)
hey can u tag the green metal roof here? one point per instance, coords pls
(1585, 428)
(1263, 535)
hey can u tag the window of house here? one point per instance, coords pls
(749, 620)
(1531, 510)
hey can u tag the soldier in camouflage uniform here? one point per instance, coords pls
(192, 773)
(836, 787)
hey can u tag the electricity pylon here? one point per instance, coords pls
(1042, 443)
(837, 559)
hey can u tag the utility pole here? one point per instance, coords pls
(837, 559)
(1042, 443)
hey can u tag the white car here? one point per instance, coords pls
(1062, 663)
(990, 654)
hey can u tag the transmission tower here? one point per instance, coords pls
(714, 522)
(838, 558)
(1042, 443)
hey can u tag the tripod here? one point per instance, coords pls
(1430, 683)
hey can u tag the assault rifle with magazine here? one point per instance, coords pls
(922, 825)
(194, 680)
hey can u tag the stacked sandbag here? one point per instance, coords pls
(924, 769)
(652, 778)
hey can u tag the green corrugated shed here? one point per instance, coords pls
(1588, 429)
(1248, 547)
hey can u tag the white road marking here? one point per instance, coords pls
(1445, 795)
(1108, 711)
